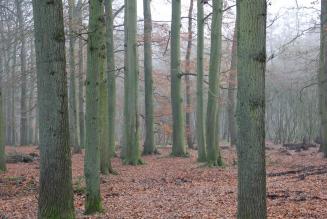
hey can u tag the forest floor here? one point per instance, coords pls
(167, 187)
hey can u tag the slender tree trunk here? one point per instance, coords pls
(55, 191)
(323, 77)
(73, 122)
(92, 146)
(23, 104)
(2, 127)
(149, 147)
(81, 77)
(111, 75)
(200, 130)
(231, 90)
(131, 120)
(213, 156)
(124, 141)
(189, 133)
(176, 94)
(251, 64)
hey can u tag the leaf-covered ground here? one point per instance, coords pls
(167, 187)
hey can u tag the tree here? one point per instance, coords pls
(213, 152)
(111, 70)
(251, 64)
(200, 130)
(131, 116)
(55, 190)
(23, 104)
(2, 135)
(149, 147)
(188, 116)
(73, 95)
(322, 77)
(92, 146)
(175, 71)
(231, 90)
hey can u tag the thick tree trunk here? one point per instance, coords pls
(231, 90)
(131, 119)
(323, 77)
(200, 128)
(213, 156)
(251, 63)
(149, 147)
(176, 94)
(23, 102)
(92, 146)
(55, 191)
(188, 114)
(111, 75)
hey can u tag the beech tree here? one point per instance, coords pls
(322, 77)
(149, 147)
(213, 152)
(131, 114)
(200, 127)
(55, 189)
(92, 144)
(179, 148)
(251, 64)
(2, 135)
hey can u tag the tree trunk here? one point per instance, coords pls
(251, 64)
(73, 122)
(55, 190)
(23, 104)
(111, 75)
(179, 149)
(189, 133)
(149, 147)
(231, 90)
(323, 77)
(200, 130)
(2, 130)
(213, 156)
(92, 147)
(131, 119)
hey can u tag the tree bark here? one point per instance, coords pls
(251, 65)
(231, 90)
(131, 119)
(188, 116)
(200, 127)
(23, 102)
(92, 146)
(55, 190)
(178, 149)
(213, 156)
(322, 77)
(149, 147)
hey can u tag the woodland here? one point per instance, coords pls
(163, 109)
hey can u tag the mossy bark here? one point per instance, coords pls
(251, 65)
(149, 147)
(200, 127)
(131, 116)
(179, 149)
(55, 189)
(92, 144)
(213, 152)
(322, 77)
